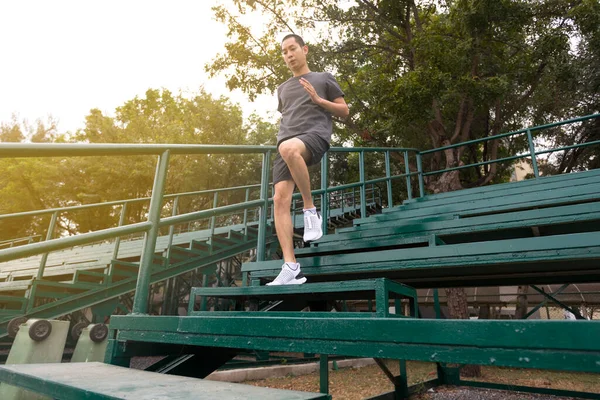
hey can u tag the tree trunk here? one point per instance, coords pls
(447, 182)
(521, 308)
(458, 308)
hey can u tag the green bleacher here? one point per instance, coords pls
(543, 230)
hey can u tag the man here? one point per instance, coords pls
(307, 102)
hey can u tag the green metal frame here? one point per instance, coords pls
(571, 347)
(504, 343)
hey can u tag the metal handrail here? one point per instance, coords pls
(155, 221)
(532, 152)
(164, 151)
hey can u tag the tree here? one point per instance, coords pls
(158, 117)
(28, 183)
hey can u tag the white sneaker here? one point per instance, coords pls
(289, 276)
(313, 226)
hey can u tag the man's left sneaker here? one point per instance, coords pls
(313, 226)
(290, 275)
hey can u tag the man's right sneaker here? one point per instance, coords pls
(313, 226)
(290, 275)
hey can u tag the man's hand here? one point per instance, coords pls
(311, 91)
(337, 107)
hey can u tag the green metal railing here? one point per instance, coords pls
(154, 222)
(531, 145)
(55, 213)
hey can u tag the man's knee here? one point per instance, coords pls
(292, 148)
(282, 199)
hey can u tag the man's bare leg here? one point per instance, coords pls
(290, 270)
(295, 154)
(283, 221)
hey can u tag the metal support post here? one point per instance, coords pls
(325, 195)
(324, 373)
(118, 239)
(143, 282)
(388, 174)
(213, 219)
(246, 213)
(436, 304)
(536, 172)
(49, 235)
(420, 171)
(363, 195)
(264, 196)
(407, 172)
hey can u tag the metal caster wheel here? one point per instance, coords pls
(40, 330)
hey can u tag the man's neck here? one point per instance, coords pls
(302, 71)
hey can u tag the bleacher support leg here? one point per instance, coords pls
(448, 375)
(401, 382)
(324, 373)
(116, 352)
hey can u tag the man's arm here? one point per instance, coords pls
(337, 107)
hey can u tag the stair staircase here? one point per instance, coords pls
(543, 231)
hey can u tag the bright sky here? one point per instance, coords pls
(65, 57)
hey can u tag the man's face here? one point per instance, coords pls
(293, 54)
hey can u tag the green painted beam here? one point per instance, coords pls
(560, 345)
(292, 314)
(101, 294)
(456, 226)
(494, 205)
(558, 258)
(343, 289)
(509, 188)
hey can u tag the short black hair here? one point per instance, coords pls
(297, 38)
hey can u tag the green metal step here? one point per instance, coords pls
(576, 185)
(220, 242)
(380, 243)
(571, 346)
(90, 277)
(178, 253)
(552, 259)
(501, 188)
(554, 220)
(96, 293)
(380, 289)
(201, 246)
(96, 381)
(495, 205)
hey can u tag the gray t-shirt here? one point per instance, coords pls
(299, 114)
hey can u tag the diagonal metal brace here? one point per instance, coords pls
(543, 303)
(385, 370)
(566, 307)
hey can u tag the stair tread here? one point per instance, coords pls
(82, 379)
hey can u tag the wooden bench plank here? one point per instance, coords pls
(102, 381)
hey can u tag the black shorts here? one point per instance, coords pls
(315, 145)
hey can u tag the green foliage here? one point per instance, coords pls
(158, 117)
(422, 73)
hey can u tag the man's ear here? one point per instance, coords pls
(305, 49)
